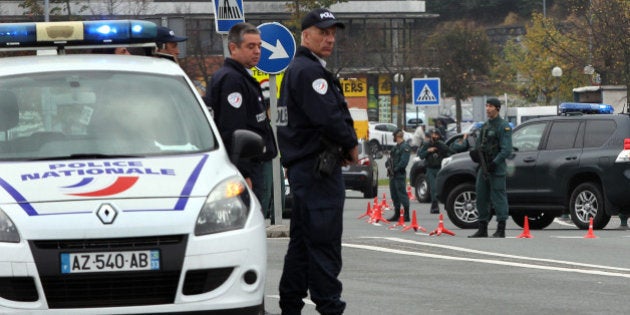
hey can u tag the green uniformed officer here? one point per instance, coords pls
(397, 173)
(494, 146)
(433, 151)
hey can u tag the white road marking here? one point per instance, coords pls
(492, 261)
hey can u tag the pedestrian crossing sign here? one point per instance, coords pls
(426, 91)
(227, 13)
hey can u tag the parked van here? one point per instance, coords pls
(360, 118)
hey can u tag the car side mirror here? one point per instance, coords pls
(246, 144)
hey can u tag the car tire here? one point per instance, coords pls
(375, 147)
(421, 189)
(587, 201)
(536, 221)
(461, 208)
(370, 192)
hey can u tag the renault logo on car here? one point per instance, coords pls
(106, 213)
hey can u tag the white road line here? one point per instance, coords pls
(487, 261)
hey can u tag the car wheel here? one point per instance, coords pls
(421, 188)
(460, 206)
(587, 201)
(536, 221)
(375, 147)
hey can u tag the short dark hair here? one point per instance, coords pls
(237, 32)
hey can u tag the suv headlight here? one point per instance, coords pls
(8, 230)
(446, 160)
(225, 209)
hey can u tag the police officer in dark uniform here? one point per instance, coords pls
(399, 156)
(316, 137)
(237, 102)
(491, 150)
(433, 151)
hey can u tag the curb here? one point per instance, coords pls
(276, 231)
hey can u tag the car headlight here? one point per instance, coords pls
(225, 209)
(8, 230)
(446, 160)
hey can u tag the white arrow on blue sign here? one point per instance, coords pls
(278, 48)
(227, 13)
(426, 91)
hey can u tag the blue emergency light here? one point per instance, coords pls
(585, 108)
(76, 33)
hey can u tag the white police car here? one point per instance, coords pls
(116, 193)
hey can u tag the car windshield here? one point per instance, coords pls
(84, 114)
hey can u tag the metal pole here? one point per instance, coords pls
(46, 10)
(544, 8)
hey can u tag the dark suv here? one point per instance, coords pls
(576, 164)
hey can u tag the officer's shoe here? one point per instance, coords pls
(500, 230)
(434, 207)
(482, 231)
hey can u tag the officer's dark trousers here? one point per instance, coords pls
(490, 190)
(313, 259)
(431, 176)
(398, 191)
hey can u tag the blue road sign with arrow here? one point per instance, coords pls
(227, 13)
(278, 48)
(426, 91)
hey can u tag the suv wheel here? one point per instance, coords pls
(421, 188)
(536, 221)
(374, 146)
(460, 206)
(587, 201)
(370, 191)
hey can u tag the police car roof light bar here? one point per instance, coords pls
(585, 108)
(75, 33)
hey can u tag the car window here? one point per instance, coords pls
(598, 132)
(562, 134)
(527, 138)
(381, 127)
(75, 113)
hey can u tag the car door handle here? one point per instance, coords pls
(569, 158)
(529, 159)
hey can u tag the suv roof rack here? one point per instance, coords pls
(77, 35)
(584, 108)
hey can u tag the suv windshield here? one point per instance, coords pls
(83, 114)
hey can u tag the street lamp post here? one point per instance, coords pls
(556, 72)
(399, 78)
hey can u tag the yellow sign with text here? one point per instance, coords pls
(263, 78)
(354, 87)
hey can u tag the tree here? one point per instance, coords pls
(299, 8)
(464, 58)
(57, 7)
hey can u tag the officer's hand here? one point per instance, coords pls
(492, 167)
(353, 155)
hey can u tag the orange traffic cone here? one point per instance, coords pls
(401, 220)
(525, 233)
(367, 213)
(441, 229)
(414, 223)
(410, 194)
(377, 216)
(590, 234)
(384, 205)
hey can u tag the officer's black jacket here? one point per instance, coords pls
(228, 84)
(311, 106)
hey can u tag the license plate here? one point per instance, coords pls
(110, 261)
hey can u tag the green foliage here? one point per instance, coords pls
(299, 8)
(465, 55)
